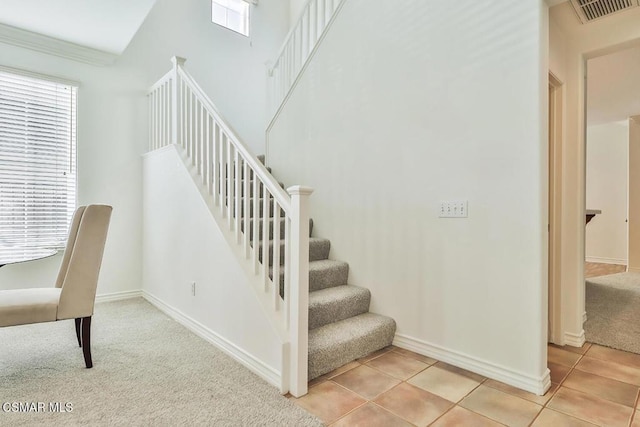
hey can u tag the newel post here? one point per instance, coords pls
(299, 292)
(175, 97)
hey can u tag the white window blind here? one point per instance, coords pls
(37, 165)
(232, 14)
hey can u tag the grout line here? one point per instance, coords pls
(633, 410)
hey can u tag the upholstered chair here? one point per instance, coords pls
(73, 295)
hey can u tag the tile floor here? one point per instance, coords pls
(592, 385)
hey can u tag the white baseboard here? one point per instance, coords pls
(600, 260)
(117, 296)
(249, 361)
(574, 340)
(537, 385)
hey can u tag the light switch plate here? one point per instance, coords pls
(453, 209)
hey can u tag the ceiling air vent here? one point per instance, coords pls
(590, 10)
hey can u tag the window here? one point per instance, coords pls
(232, 14)
(37, 164)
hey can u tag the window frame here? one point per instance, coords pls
(247, 17)
(34, 251)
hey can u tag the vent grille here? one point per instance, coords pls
(591, 10)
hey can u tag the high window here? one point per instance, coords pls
(37, 164)
(232, 14)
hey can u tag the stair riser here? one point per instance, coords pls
(339, 353)
(324, 279)
(321, 280)
(339, 310)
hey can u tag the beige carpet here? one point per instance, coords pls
(613, 311)
(148, 370)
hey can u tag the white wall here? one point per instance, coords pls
(111, 121)
(607, 189)
(229, 67)
(112, 117)
(182, 244)
(403, 107)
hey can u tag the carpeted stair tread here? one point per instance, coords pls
(318, 249)
(338, 343)
(327, 273)
(337, 303)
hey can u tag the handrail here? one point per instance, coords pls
(249, 205)
(261, 171)
(299, 47)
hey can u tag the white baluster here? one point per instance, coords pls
(223, 174)
(328, 10)
(245, 206)
(229, 170)
(238, 196)
(313, 24)
(183, 114)
(286, 268)
(299, 328)
(321, 17)
(256, 222)
(176, 123)
(276, 256)
(199, 136)
(215, 167)
(265, 237)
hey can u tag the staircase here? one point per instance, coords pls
(321, 320)
(341, 328)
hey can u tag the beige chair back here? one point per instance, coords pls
(73, 232)
(81, 265)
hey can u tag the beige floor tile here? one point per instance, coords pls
(459, 416)
(590, 408)
(550, 418)
(329, 401)
(558, 372)
(322, 378)
(366, 381)
(636, 420)
(540, 400)
(376, 354)
(562, 357)
(579, 350)
(413, 404)
(609, 369)
(370, 415)
(501, 407)
(397, 366)
(443, 383)
(608, 389)
(613, 355)
(411, 354)
(471, 375)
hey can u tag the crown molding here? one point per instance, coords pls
(52, 46)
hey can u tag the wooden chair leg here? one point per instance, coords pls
(78, 320)
(86, 341)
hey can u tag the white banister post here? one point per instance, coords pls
(299, 292)
(175, 99)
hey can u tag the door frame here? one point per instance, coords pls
(556, 117)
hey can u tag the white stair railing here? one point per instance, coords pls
(298, 48)
(249, 205)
